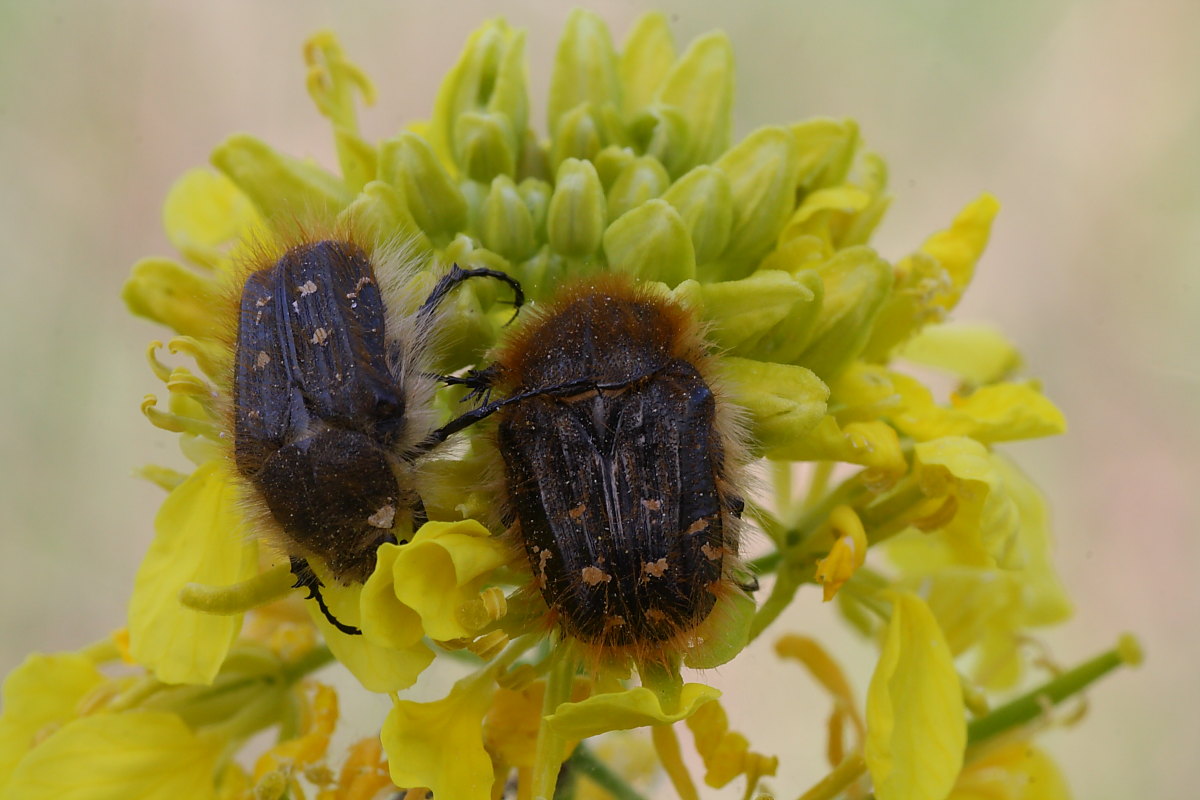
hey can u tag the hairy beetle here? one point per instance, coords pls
(332, 404)
(620, 460)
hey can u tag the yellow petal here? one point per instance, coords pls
(149, 755)
(983, 530)
(384, 618)
(1015, 771)
(977, 353)
(443, 568)
(873, 444)
(378, 666)
(959, 247)
(164, 292)
(200, 536)
(1000, 412)
(726, 753)
(633, 708)
(439, 745)
(204, 213)
(916, 730)
(41, 693)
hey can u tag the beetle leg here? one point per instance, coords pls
(307, 579)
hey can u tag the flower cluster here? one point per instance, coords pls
(891, 496)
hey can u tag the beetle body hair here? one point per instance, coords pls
(637, 330)
(408, 353)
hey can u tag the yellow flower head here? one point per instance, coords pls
(811, 336)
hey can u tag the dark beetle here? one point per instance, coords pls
(331, 404)
(618, 459)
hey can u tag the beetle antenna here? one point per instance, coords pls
(457, 275)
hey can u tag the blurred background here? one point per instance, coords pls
(1083, 117)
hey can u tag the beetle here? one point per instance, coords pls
(621, 464)
(332, 404)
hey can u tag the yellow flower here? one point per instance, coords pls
(916, 730)
(439, 745)
(766, 240)
(1014, 771)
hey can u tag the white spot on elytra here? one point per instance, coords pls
(594, 575)
(263, 359)
(320, 335)
(383, 518)
(655, 569)
(307, 288)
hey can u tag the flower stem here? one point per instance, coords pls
(308, 663)
(1030, 706)
(843, 775)
(666, 744)
(549, 755)
(599, 773)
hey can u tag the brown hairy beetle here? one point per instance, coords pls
(332, 403)
(621, 462)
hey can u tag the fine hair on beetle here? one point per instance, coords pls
(331, 396)
(623, 466)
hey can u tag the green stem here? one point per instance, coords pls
(843, 776)
(308, 663)
(548, 756)
(599, 773)
(1030, 706)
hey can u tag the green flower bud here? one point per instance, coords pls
(380, 212)
(643, 179)
(610, 162)
(577, 215)
(660, 132)
(359, 160)
(578, 135)
(507, 225)
(760, 316)
(784, 402)
(651, 243)
(857, 283)
(163, 291)
(540, 275)
(438, 206)
(826, 148)
(704, 198)
(762, 174)
(536, 194)
(283, 188)
(701, 87)
(645, 60)
(585, 69)
(484, 146)
(489, 78)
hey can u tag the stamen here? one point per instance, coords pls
(238, 598)
(177, 423)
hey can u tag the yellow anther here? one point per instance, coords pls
(485, 609)
(185, 382)
(177, 423)
(940, 514)
(161, 370)
(271, 786)
(163, 477)
(208, 355)
(518, 677)
(489, 645)
(847, 554)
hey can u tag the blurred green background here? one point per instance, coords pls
(1083, 117)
